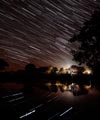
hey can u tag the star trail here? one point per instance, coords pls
(37, 31)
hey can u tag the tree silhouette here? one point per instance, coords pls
(61, 71)
(54, 70)
(3, 64)
(89, 39)
(30, 68)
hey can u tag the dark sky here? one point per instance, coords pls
(38, 31)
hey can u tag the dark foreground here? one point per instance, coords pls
(41, 104)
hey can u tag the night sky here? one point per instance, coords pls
(37, 31)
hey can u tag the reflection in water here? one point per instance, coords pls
(73, 87)
(54, 88)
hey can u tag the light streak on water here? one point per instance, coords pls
(15, 94)
(54, 116)
(66, 111)
(16, 99)
(27, 114)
